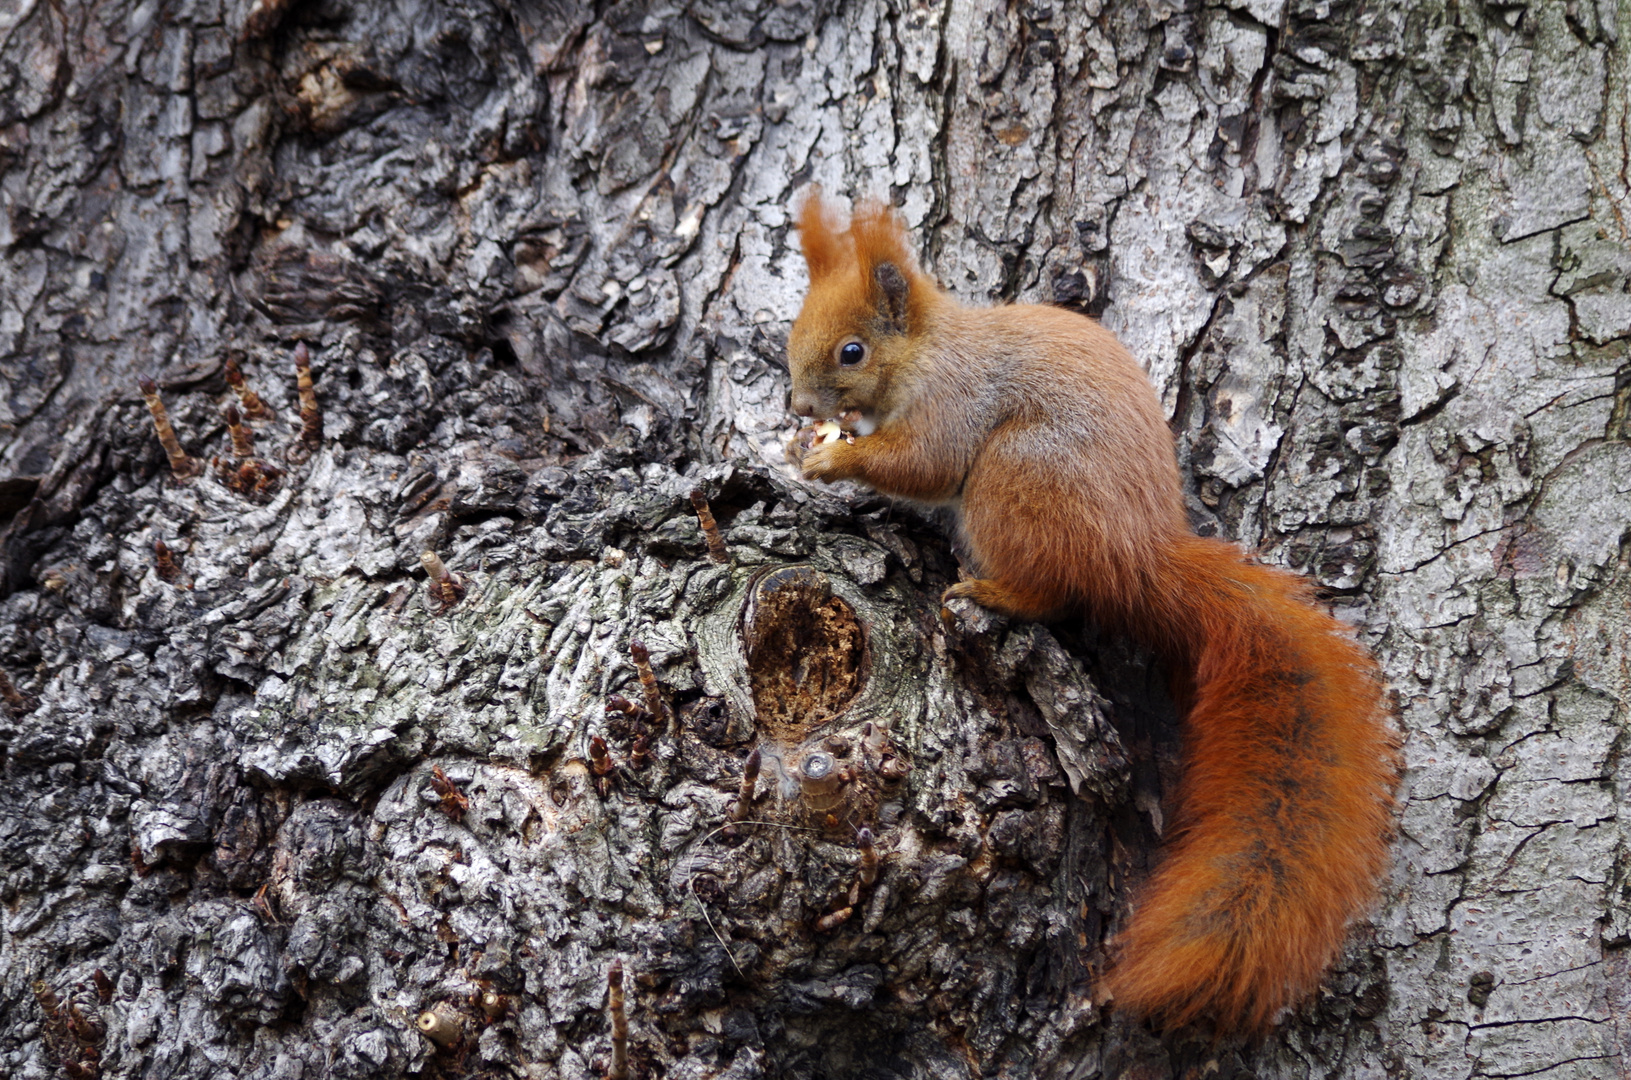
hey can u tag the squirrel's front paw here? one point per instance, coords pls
(820, 462)
(809, 441)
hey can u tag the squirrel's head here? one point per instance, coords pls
(867, 304)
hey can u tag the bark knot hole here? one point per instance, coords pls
(806, 652)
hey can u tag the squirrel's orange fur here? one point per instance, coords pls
(1042, 431)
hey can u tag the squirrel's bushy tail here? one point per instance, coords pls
(1284, 807)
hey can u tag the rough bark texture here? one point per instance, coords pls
(1374, 255)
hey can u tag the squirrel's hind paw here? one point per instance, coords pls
(996, 597)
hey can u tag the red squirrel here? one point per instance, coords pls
(1045, 436)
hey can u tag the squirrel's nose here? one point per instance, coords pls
(802, 402)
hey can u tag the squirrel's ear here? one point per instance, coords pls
(881, 245)
(895, 291)
(823, 248)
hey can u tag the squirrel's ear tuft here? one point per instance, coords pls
(881, 246)
(879, 236)
(823, 246)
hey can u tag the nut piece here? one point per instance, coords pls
(813, 435)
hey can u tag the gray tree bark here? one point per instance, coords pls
(273, 796)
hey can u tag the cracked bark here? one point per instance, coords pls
(1374, 255)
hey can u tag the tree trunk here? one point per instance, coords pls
(274, 791)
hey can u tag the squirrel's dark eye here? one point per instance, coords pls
(852, 354)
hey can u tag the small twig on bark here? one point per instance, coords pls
(311, 419)
(181, 465)
(243, 440)
(441, 1024)
(254, 407)
(164, 562)
(445, 587)
(710, 528)
(648, 682)
(454, 801)
(867, 875)
(17, 703)
(750, 779)
(620, 1023)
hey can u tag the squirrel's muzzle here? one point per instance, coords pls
(804, 402)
